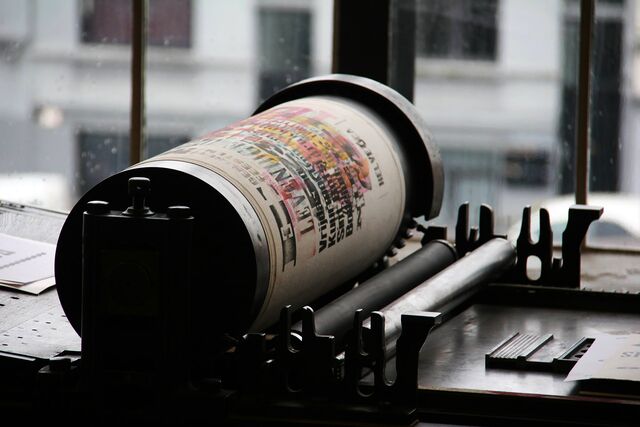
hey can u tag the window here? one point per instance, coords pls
(65, 66)
(103, 154)
(109, 22)
(510, 124)
(527, 168)
(522, 110)
(457, 29)
(284, 38)
(606, 97)
(496, 126)
(471, 175)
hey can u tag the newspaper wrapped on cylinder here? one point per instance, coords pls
(289, 203)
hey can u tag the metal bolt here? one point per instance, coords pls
(97, 207)
(178, 212)
(60, 364)
(210, 385)
(139, 189)
(139, 185)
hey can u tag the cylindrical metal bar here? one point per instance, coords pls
(475, 269)
(138, 40)
(584, 85)
(336, 318)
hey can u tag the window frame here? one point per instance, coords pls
(455, 48)
(89, 36)
(361, 31)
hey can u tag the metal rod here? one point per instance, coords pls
(361, 38)
(376, 39)
(336, 318)
(584, 86)
(138, 42)
(474, 270)
(402, 47)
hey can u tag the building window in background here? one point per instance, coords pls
(457, 29)
(284, 46)
(102, 154)
(527, 168)
(471, 175)
(109, 22)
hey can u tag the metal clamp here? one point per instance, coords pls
(468, 239)
(556, 272)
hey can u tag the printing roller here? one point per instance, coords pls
(336, 318)
(288, 204)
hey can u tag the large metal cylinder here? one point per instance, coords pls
(288, 204)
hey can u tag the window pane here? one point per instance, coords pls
(57, 91)
(106, 21)
(240, 53)
(109, 22)
(285, 46)
(612, 156)
(606, 93)
(460, 29)
(102, 154)
(518, 108)
(65, 66)
(169, 23)
(488, 84)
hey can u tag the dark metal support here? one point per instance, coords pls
(402, 47)
(567, 270)
(376, 40)
(137, 117)
(560, 272)
(470, 238)
(415, 329)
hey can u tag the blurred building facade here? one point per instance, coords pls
(494, 83)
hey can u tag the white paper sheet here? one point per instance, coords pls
(33, 288)
(26, 262)
(615, 357)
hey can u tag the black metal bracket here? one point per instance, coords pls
(470, 238)
(432, 232)
(467, 238)
(415, 330)
(554, 272)
(367, 350)
(309, 364)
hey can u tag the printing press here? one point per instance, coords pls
(250, 277)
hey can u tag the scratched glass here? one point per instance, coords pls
(496, 82)
(232, 56)
(65, 66)
(56, 87)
